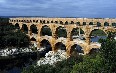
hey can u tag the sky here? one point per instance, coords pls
(59, 8)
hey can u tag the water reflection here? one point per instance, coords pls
(96, 38)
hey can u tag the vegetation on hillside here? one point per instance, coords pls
(12, 37)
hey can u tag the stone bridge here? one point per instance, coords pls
(86, 24)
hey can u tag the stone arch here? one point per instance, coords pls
(52, 22)
(98, 24)
(17, 26)
(34, 29)
(60, 45)
(90, 23)
(48, 22)
(30, 21)
(46, 44)
(106, 24)
(93, 50)
(61, 32)
(24, 28)
(56, 22)
(33, 39)
(61, 22)
(78, 23)
(72, 22)
(45, 30)
(74, 33)
(40, 21)
(84, 23)
(114, 24)
(66, 22)
(76, 48)
(97, 32)
(36, 21)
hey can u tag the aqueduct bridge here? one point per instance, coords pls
(86, 24)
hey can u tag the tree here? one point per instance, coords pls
(103, 62)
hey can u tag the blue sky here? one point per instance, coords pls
(59, 8)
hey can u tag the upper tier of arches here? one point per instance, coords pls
(66, 21)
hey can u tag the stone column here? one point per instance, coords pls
(88, 40)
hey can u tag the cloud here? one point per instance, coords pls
(59, 8)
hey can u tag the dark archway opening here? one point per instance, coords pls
(84, 23)
(40, 21)
(91, 23)
(24, 28)
(106, 24)
(32, 39)
(78, 23)
(61, 22)
(56, 22)
(77, 33)
(96, 34)
(48, 22)
(46, 31)
(45, 44)
(60, 46)
(52, 22)
(76, 49)
(72, 22)
(66, 22)
(94, 51)
(98, 24)
(114, 24)
(61, 32)
(17, 26)
(33, 29)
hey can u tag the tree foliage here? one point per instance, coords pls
(103, 62)
(11, 37)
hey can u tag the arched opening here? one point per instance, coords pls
(52, 22)
(47, 47)
(40, 21)
(32, 39)
(96, 34)
(61, 32)
(25, 28)
(94, 51)
(44, 21)
(60, 46)
(98, 24)
(61, 22)
(47, 22)
(84, 23)
(66, 22)
(78, 23)
(114, 24)
(36, 21)
(56, 22)
(91, 23)
(77, 33)
(33, 29)
(45, 30)
(106, 24)
(72, 22)
(33, 20)
(76, 49)
(17, 26)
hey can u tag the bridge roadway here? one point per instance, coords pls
(87, 25)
